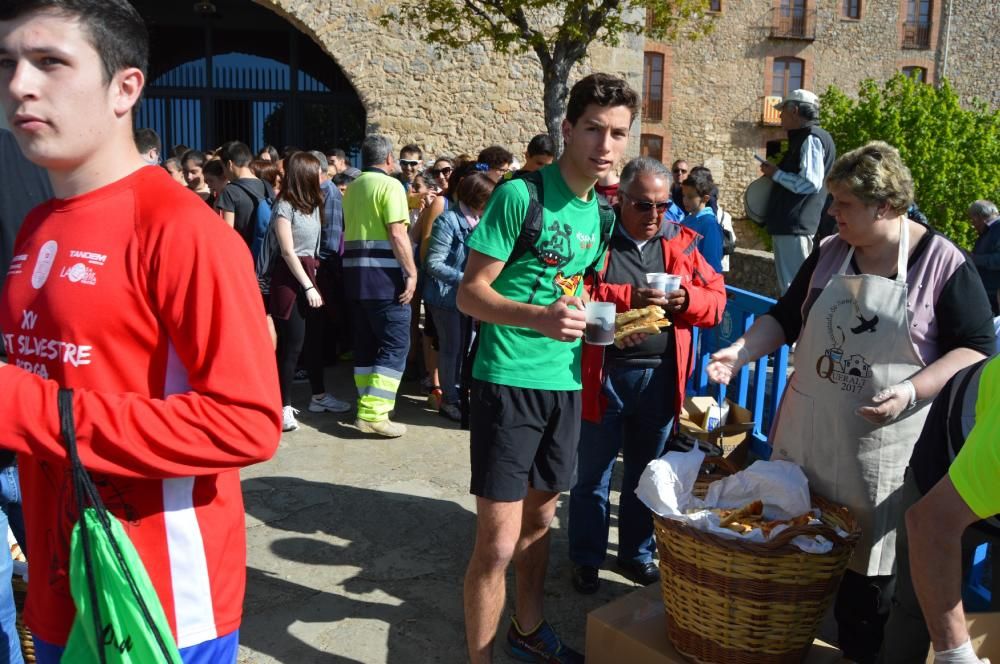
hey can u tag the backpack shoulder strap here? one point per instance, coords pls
(608, 217)
(531, 227)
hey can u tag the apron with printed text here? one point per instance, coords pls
(855, 343)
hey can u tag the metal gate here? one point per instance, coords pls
(232, 70)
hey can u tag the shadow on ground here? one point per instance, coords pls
(352, 555)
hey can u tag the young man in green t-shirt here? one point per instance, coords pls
(525, 401)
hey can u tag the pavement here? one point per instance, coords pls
(357, 545)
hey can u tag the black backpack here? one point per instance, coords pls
(531, 227)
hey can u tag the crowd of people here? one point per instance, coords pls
(148, 292)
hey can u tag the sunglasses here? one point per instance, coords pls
(409, 162)
(646, 206)
(446, 171)
(680, 170)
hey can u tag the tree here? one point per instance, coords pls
(558, 32)
(952, 152)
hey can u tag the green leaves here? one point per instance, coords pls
(543, 25)
(952, 152)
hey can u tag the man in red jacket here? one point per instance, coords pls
(631, 396)
(129, 290)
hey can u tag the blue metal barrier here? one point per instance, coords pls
(760, 384)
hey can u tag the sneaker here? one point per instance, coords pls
(541, 645)
(328, 403)
(301, 376)
(288, 422)
(450, 411)
(386, 428)
(434, 399)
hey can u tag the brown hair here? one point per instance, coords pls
(300, 186)
(474, 190)
(601, 89)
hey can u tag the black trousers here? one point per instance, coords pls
(862, 609)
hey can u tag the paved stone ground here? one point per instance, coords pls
(357, 545)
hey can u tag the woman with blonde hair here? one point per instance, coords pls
(883, 314)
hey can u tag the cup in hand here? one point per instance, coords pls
(662, 281)
(600, 330)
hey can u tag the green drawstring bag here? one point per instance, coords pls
(118, 615)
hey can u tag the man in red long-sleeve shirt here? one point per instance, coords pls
(128, 290)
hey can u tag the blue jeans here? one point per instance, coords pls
(637, 421)
(10, 502)
(450, 324)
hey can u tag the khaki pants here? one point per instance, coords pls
(790, 251)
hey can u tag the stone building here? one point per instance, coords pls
(709, 101)
(322, 73)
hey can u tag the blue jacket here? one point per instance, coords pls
(447, 254)
(710, 244)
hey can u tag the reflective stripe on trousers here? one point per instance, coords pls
(377, 387)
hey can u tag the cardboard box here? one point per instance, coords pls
(733, 436)
(633, 629)
(984, 628)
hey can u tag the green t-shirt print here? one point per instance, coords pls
(567, 246)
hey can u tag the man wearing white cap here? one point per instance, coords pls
(795, 206)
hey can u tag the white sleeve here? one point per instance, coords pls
(809, 179)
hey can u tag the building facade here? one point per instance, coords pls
(712, 99)
(320, 74)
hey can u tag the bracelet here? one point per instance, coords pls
(307, 289)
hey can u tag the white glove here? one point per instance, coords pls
(890, 403)
(964, 654)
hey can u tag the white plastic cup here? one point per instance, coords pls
(600, 321)
(663, 281)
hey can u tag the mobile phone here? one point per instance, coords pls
(760, 159)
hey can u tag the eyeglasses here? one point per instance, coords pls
(446, 171)
(680, 170)
(409, 162)
(647, 206)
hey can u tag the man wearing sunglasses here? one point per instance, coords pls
(638, 388)
(680, 170)
(410, 162)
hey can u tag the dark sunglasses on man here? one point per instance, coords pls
(409, 162)
(646, 206)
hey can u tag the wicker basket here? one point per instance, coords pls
(736, 602)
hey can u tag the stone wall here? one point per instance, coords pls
(753, 270)
(970, 54)
(718, 83)
(445, 101)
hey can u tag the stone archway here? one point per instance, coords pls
(233, 69)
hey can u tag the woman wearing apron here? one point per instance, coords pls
(883, 313)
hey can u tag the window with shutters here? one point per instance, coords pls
(652, 88)
(651, 145)
(787, 75)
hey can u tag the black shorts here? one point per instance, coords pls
(522, 437)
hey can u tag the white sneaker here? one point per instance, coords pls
(328, 403)
(288, 422)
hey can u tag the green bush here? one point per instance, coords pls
(952, 152)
